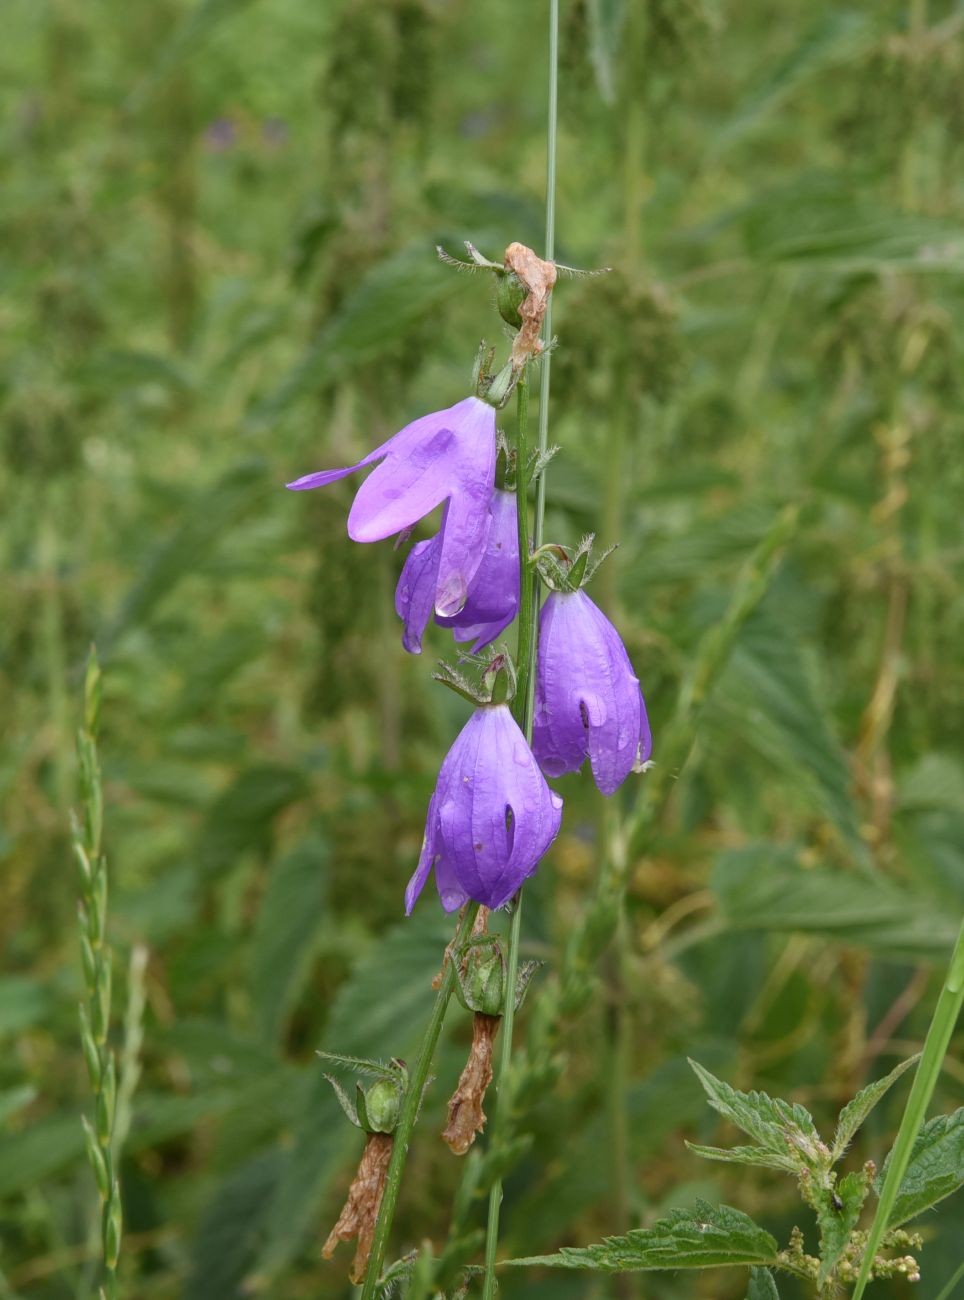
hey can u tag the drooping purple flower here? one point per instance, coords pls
(493, 594)
(588, 702)
(492, 816)
(446, 456)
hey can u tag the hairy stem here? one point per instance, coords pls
(410, 1107)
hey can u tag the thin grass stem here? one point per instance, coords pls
(925, 1080)
(527, 639)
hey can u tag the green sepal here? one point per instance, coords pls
(344, 1101)
(578, 571)
(510, 296)
(523, 979)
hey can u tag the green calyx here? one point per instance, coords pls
(482, 973)
(496, 686)
(565, 570)
(376, 1108)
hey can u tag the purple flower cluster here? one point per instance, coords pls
(492, 816)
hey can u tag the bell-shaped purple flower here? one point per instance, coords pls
(588, 703)
(493, 594)
(446, 456)
(492, 816)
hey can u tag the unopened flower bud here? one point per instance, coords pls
(511, 295)
(382, 1104)
(484, 984)
(499, 389)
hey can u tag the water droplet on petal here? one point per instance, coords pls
(556, 799)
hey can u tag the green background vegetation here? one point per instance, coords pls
(218, 273)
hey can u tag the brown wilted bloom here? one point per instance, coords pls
(537, 278)
(360, 1210)
(466, 1116)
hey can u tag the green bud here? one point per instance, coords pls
(97, 1159)
(484, 984)
(113, 1226)
(499, 390)
(511, 295)
(383, 1101)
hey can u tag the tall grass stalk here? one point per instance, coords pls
(527, 638)
(96, 959)
(925, 1079)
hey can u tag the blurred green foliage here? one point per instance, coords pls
(218, 269)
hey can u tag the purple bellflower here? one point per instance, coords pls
(492, 816)
(588, 702)
(493, 593)
(446, 456)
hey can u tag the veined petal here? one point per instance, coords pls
(493, 594)
(406, 486)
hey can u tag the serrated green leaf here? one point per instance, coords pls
(936, 1168)
(769, 699)
(746, 1156)
(762, 887)
(390, 298)
(837, 1214)
(762, 1285)
(831, 40)
(287, 927)
(240, 820)
(704, 1237)
(222, 1254)
(857, 1110)
(203, 521)
(782, 1128)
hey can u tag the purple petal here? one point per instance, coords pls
(425, 860)
(493, 595)
(415, 593)
(468, 517)
(588, 701)
(497, 819)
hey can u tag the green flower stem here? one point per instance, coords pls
(527, 643)
(418, 1078)
(925, 1079)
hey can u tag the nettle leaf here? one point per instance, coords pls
(703, 1237)
(746, 1156)
(780, 1127)
(936, 1168)
(762, 1285)
(837, 1217)
(857, 1110)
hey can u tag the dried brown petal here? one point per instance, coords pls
(360, 1211)
(466, 1116)
(538, 278)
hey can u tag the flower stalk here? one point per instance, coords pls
(527, 643)
(418, 1077)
